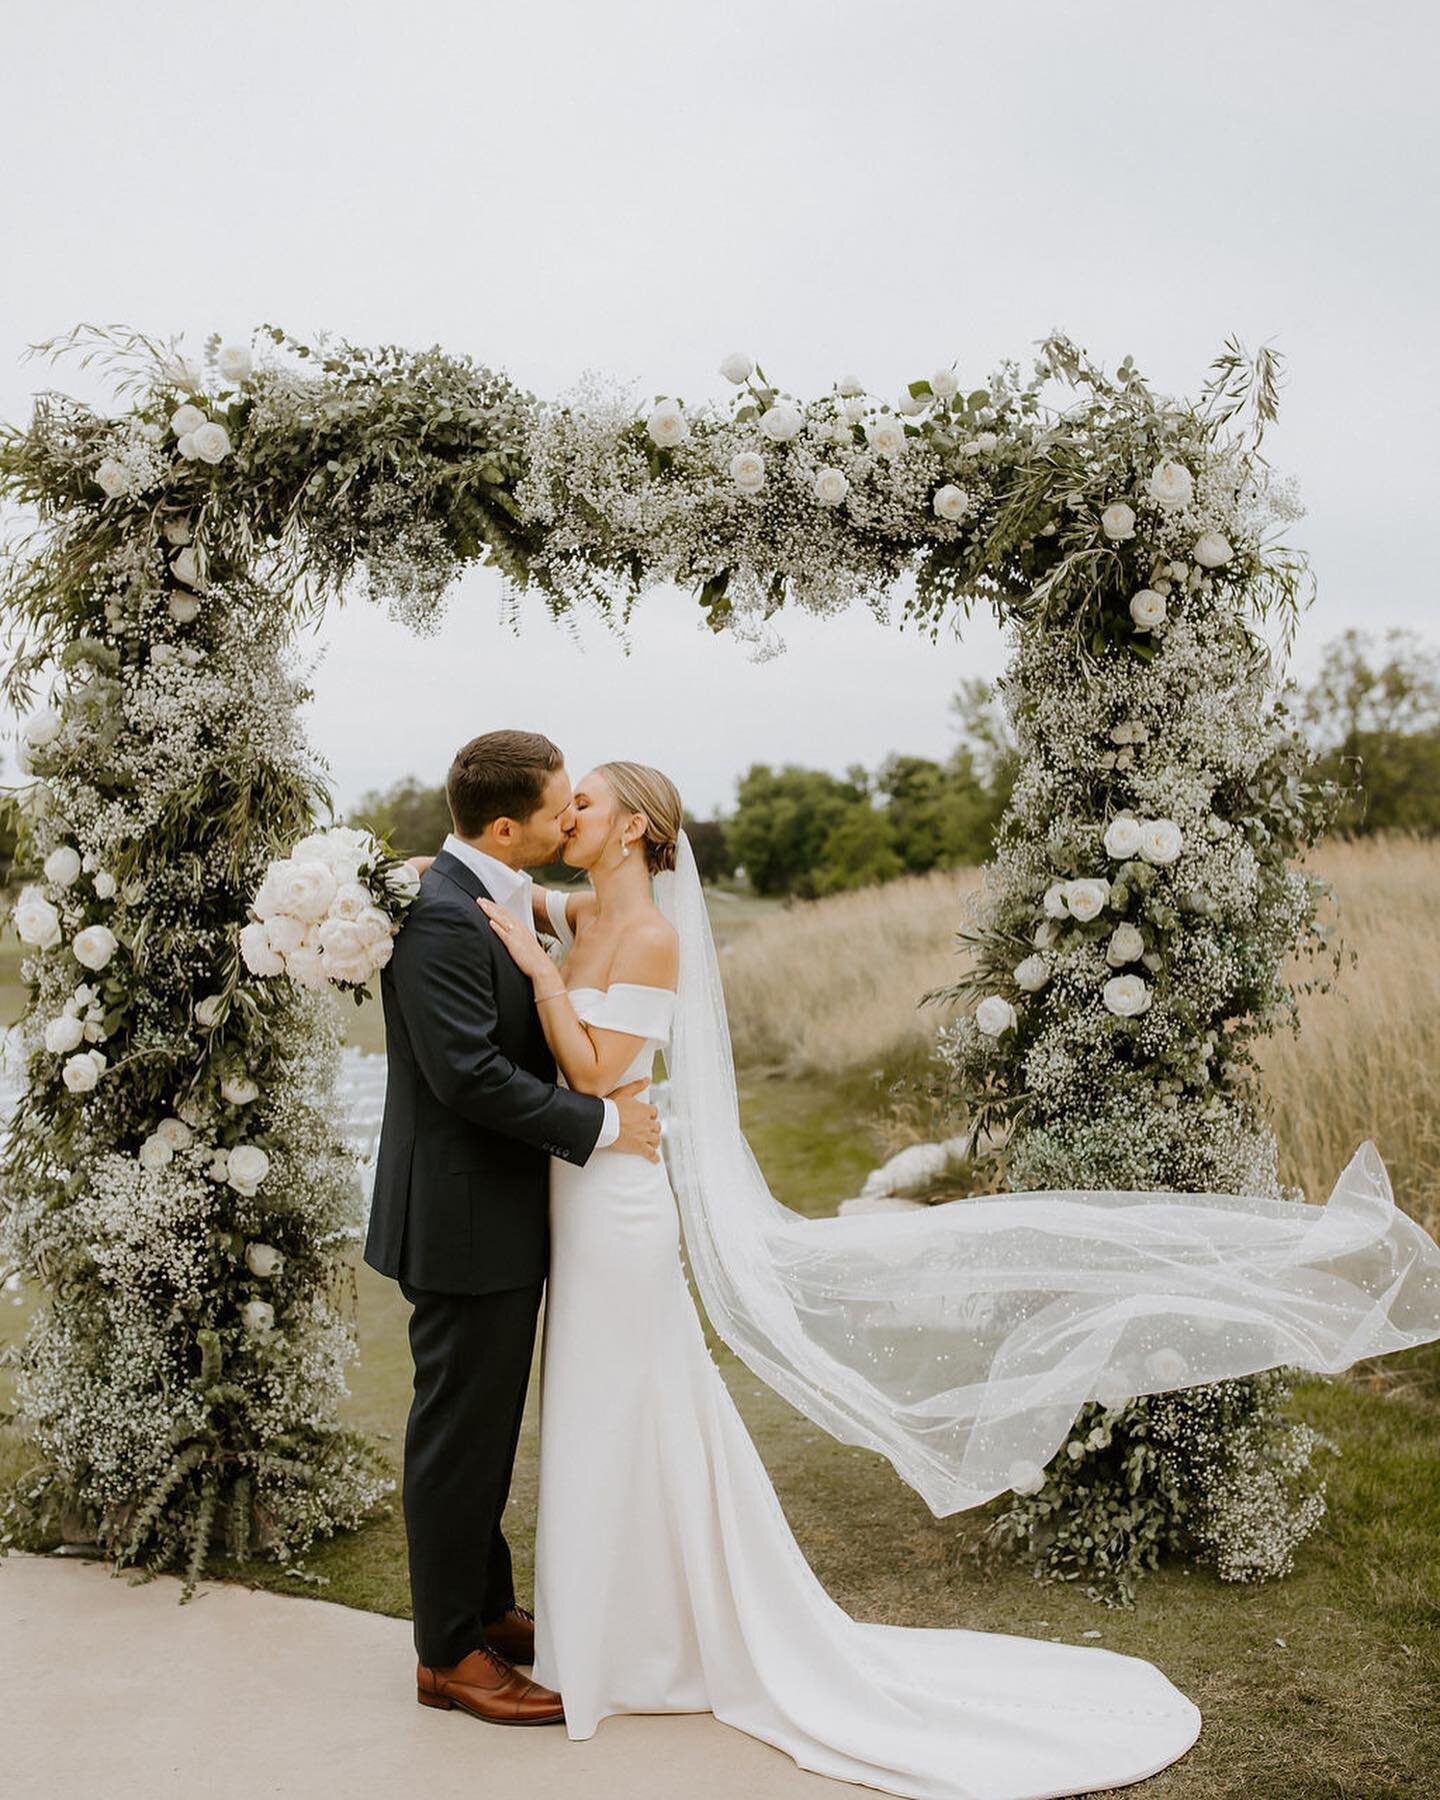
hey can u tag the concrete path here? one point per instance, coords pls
(112, 1690)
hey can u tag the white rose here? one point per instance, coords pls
(184, 420)
(258, 1316)
(234, 362)
(945, 384)
(1087, 898)
(831, 486)
(849, 387)
(184, 609)
(1211, 550)
(1170, 484)
(737, 367)
(175, 1132)
(219, 1166)
(1126, 995)
(1118, 521)
(179, 371)
(80, 1074)
(951, 502)
(208, 1010)
(248, 1167)
(1147, 609)
(155, 1153)
(63, 1035)
(1032, 974)
(1122, 837)
(1055, 904)
(986, 442)
(212, 442)
(855, 410)
(781, 422)
(177, 531)
(239, 1090)
(995, 1015)
(113, 477)
(263, 1260)
(375, 924)
(910, 404)
(62, 866)
(747, 471)
(351, 899)
(1161, 840)
(886, 435)
(303, 889)
(1126, 944)
(95, 945)
(255, 951)
(36, 920)
(668, 425)
(42, 728)
(104, 885)
(185, 569)
(84, 995)
(403, 880)
(186, 446)
(1044, 936)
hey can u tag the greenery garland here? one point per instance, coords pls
(185, 1372)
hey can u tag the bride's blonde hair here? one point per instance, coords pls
(639, 788)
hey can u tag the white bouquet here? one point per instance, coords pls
(328, 912)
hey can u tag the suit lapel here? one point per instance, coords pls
(469, 883)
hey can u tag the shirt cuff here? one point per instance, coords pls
(610, 1130)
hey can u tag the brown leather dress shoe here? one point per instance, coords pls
(484, 1684)
(513, 1635)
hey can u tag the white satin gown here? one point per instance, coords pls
(668, 1580)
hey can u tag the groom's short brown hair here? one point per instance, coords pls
(499, 775)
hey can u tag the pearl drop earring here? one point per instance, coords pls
(624, 849)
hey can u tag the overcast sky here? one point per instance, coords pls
(831, 186)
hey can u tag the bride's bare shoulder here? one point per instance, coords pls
(650, 952)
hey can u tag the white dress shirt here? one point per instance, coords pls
(514, 889)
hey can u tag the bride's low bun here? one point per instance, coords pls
(639, 788)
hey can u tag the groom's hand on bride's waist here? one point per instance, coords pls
(639, 1122)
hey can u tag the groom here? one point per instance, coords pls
(460, 1215)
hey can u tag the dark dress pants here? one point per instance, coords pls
(472, 1355)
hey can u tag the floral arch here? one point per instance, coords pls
(173, 1180)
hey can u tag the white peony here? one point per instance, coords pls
(1147, 609)
(1211, 550)
(284, 934)
(1032, 974)
(304, 965)
(380, 954)
(1122, 837)
(1126, 995)
(951, 502)
(668, 425)
(995, 1015)
(175, 1132)
(258, 1316)
(239, 1090)
(945, 384)
(95, 945)
(62, 866)
(747, 471)
(235, 362)
(375, 924)
(63, 1035)
(80, 1074)
(212, 442)
(886, 435)
(1126, 944)
(42, 728)
(342, 941)
(831, 486)
(104, 885)
(351, 899)
(255, 950)
(1161, 841)
(208, 1011)
(263, 1260)
(155, 1153)
(183, 420)
(781, 421)
(738, 367)
(1170, 484)
(1118, 521)
(1087, 898)
(113, 478)
(342, 849)
(1054, 902)
(302, 889)
(403, 880)
(248, 1167)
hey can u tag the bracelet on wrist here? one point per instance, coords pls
(559, 994)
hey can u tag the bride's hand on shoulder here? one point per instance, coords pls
(526, 952)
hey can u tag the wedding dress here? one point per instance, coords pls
(667, 1578)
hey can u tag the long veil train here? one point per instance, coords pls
(960, 1341)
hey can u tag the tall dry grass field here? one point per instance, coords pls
(828, 987)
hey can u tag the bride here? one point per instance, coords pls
(959, 1341)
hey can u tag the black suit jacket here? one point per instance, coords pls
(472, 1113)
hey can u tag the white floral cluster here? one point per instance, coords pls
(329, 911)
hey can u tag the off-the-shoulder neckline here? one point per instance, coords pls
(640, 987)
